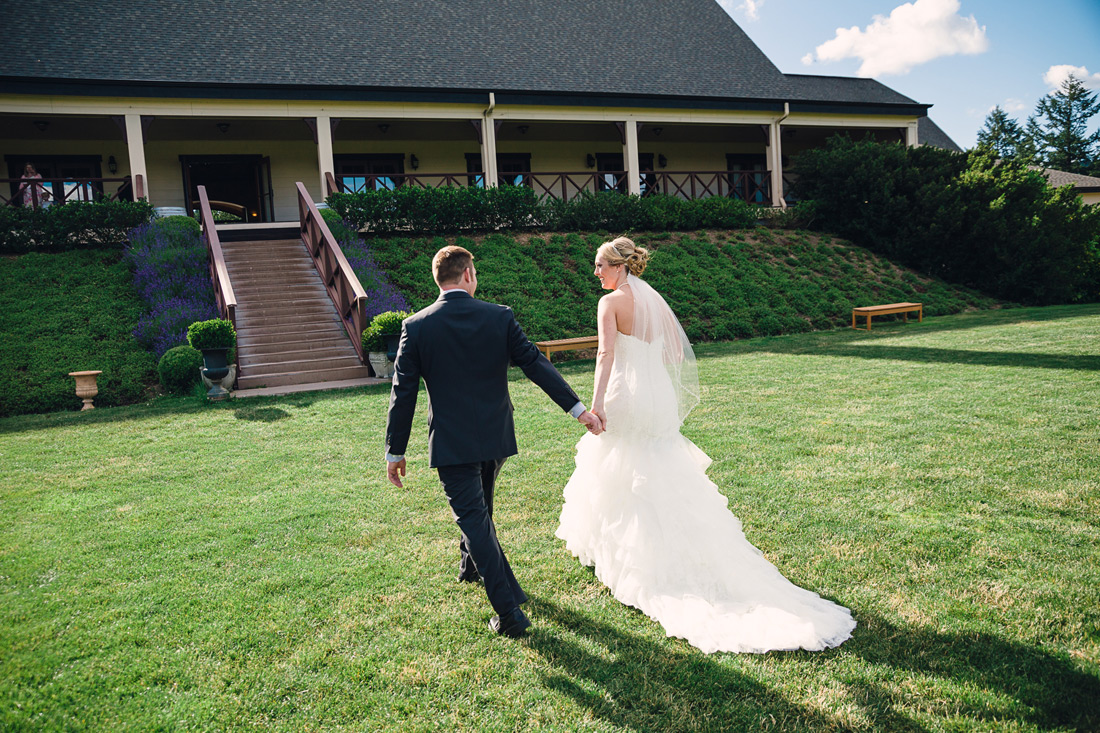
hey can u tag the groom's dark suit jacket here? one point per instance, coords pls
(462, 347)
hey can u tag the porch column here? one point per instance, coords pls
(489, 151)
(135, 149)
(630, 158)
(775, 163)
(324, 151)
(911, 134)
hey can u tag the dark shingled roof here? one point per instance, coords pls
(1063, 178)
(929, 133)
(638, 48)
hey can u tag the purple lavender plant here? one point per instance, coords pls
(382, 296)
(169, 263)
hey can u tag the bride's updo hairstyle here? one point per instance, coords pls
(623, 251)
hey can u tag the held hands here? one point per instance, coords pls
(394, 472)
(591, 421)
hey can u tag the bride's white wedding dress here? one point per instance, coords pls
(640, 508)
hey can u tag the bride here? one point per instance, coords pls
(640, 508)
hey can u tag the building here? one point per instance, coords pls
(561, 95)
(1087, 187)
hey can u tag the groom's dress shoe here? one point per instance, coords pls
(514, 623)
(470, 576)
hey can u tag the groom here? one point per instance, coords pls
(462, 347)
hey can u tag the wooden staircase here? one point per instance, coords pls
(288, 330)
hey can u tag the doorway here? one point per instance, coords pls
(237, 184)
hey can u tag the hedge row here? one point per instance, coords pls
(454, 209)
(69, 226)
(722, 285)
(965, 217)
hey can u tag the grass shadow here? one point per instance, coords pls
(1048, 689)
(641, 685)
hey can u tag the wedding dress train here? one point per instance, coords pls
(640, 508)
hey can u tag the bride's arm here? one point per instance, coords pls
(608, 327)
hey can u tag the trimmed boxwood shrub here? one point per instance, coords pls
(217, 333)
(69, 226)
(382, 325)
(179, 369)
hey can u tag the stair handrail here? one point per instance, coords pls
(331, 184)
(223, 290)
(340, 281)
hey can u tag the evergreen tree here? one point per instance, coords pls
(1059, 127)
(1003, 134)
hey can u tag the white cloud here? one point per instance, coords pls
(913, 34)
(751, 8)
(1011, 105)
(1057, 74)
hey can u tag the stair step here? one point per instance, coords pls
(247, 349)
(258, 358)
(268, 292)
(299, 327)
(300, 365)
(281, 322)
(302, 377)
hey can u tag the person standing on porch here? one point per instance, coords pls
(33, 193)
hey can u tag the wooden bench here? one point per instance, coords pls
(881, 310)
(581, 342)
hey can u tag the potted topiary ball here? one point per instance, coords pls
(214, 339)
(380, 341)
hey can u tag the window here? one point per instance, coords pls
(514, 169)
(476, 170)
(370, 172)
(749, 179)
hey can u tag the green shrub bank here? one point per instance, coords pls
(69, 226)
(722, 285)
(67, 312)
(965, 217)
(453, 209)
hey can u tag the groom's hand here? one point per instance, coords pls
(590, 421)
(394, 471)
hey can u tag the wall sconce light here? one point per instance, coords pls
(383, 127)
(662, 161)
(523, 129)
(414, 162)
(112, 164)
(657, 131)
(41, 125)
(224, 127)
(590, 160)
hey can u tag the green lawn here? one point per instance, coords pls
(183, 566)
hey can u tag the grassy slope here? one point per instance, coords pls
(66, 312)
(180, 565)
(723, 285)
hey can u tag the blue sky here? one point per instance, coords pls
(962, 56)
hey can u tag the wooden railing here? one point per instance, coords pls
(340, 280)
(51, 191)
(219, 275)
(753, 186)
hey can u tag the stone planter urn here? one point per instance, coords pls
(86, 388)
(381, 364)
(215, 368)
(225, 383)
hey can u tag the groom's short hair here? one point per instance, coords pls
(449, 263)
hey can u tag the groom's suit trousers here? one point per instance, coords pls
(470, 504)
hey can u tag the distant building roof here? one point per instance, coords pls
(685, 49)
(1084, 184)
(929, 133)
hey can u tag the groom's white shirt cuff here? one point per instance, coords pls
(577, 411)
